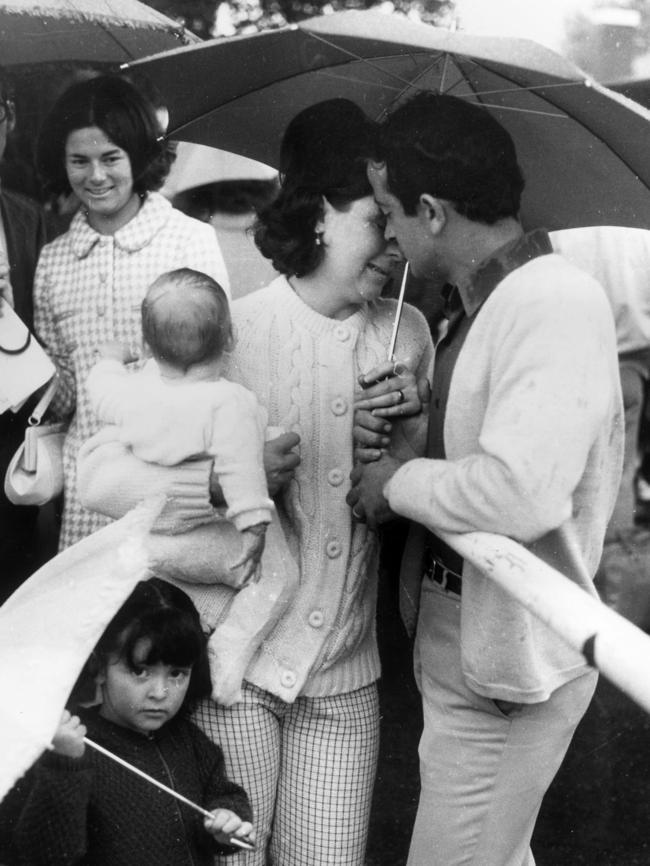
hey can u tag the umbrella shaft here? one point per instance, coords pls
(398, 313)
(240, 843)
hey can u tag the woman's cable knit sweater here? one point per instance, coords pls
(303, 368)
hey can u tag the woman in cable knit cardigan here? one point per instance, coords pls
(303, 740)
(101, 141)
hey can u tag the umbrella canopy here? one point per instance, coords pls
(93, 31)
(51, 624)
(583, 149)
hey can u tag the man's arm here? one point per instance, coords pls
(552, 389)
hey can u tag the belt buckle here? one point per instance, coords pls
(440, 574)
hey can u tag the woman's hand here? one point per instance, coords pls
(224, 824)
(391, 391)
(371, 436)
(280, 461)
(69, 737)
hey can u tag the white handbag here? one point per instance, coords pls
(35, 474)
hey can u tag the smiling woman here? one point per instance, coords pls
(102, 142)
(100, 175)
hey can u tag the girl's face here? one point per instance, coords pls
(145, 698)
(100, 175)
(358, 260)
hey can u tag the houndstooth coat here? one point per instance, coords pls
(88, 290)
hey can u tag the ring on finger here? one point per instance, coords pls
(400, 396)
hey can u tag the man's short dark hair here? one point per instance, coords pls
(453, 150)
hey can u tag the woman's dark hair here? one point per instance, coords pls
(165, 616)
(454, 150)
(323, 155)
(124, 115)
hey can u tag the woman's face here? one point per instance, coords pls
(357, 258)
(100, 175)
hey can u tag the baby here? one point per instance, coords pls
(179, 408)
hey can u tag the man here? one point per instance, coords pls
(525, 440)
(22, 234)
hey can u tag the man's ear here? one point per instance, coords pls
(434, 211)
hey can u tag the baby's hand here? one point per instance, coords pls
(224, 824)
(69, 737)
(114, 351)
(252, 539)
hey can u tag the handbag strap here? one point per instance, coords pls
(41, 407)
(20, 349)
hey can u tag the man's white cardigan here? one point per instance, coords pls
(533, 437)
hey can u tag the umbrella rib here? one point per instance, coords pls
(596, 135)
(354, 56)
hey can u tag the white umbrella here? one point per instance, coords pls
(197, 164)
(51, 624)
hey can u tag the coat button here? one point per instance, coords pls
(335, 477)
(288, 679)
(339, 406)
(333, 549)
(316, 618)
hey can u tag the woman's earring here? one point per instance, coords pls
(319, 239)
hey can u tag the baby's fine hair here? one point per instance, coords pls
(165, 616)
(186, 318)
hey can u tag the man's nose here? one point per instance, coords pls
(393, 250)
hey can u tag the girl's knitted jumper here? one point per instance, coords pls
(303, 368)
(94, 812)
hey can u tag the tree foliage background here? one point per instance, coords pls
(208, 18)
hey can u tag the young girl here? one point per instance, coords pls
(78, 806)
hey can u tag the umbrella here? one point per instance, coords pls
(196, 165)
(50, 625)
(97, 31)
(583, 148)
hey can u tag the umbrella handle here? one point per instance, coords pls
(233, 840)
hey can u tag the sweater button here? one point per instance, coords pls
(342, 333)
(335, 477)
(339, 406)
(288, 679)
(316, 619)
(333, 549)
